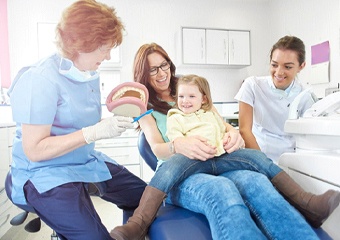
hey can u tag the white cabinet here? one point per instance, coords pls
(239, 48)
(215, 47)
(7, 209)
(124, 150)
(7, 132)
(193, 46)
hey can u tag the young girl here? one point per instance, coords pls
(196, 115)
(193, 115)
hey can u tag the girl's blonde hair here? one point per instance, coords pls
(202, 85)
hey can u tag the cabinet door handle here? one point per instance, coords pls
(120, 156)
(120, 143)
(225, 48)
(232, 48)
(202, 49)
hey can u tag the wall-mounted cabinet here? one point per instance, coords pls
(204, 46)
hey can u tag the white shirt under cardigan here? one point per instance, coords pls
(271, 109)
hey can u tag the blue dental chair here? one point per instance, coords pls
(173, 222)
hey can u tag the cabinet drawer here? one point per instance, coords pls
(123, 155)
(3, 151)
(5, 203)
(4, 223)
(11, 135)
(7, 135)
(9, 156)
(3, 134)
(6, 216)
(4, 156)
(3, 174)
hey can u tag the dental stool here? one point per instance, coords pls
(34, 225)
(173, 222)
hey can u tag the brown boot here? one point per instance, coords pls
(315, 208)
(137, 225)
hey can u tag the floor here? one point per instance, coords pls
(111, 216)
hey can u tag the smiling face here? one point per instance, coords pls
(284, 67)
(189, 98)
(92, 60)
(160, 82)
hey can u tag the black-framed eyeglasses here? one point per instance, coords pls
(164, 66)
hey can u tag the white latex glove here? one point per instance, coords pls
(107, 128)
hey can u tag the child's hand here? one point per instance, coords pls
(233, 141)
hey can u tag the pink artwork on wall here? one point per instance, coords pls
(5, 77)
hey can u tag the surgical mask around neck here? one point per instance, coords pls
(68, 70)
(291, 90)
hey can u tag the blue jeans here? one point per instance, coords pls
(179, 167)
(218, 199)
(221, 202)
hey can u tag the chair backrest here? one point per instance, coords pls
(146, 152)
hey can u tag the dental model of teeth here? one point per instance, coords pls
(128, 99)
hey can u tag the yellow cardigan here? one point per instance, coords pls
(203, 123)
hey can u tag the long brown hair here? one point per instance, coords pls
(141, 74)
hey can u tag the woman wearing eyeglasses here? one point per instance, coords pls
(216, 197)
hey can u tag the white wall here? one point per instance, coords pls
(314, 21)
(153, 21)
(160, 21)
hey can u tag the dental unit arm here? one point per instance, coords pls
(294, 112)
(327, 106)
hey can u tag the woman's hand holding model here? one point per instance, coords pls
(107, 128)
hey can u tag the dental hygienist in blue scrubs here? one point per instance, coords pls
(56, 105)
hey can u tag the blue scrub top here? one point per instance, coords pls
(41, 95)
